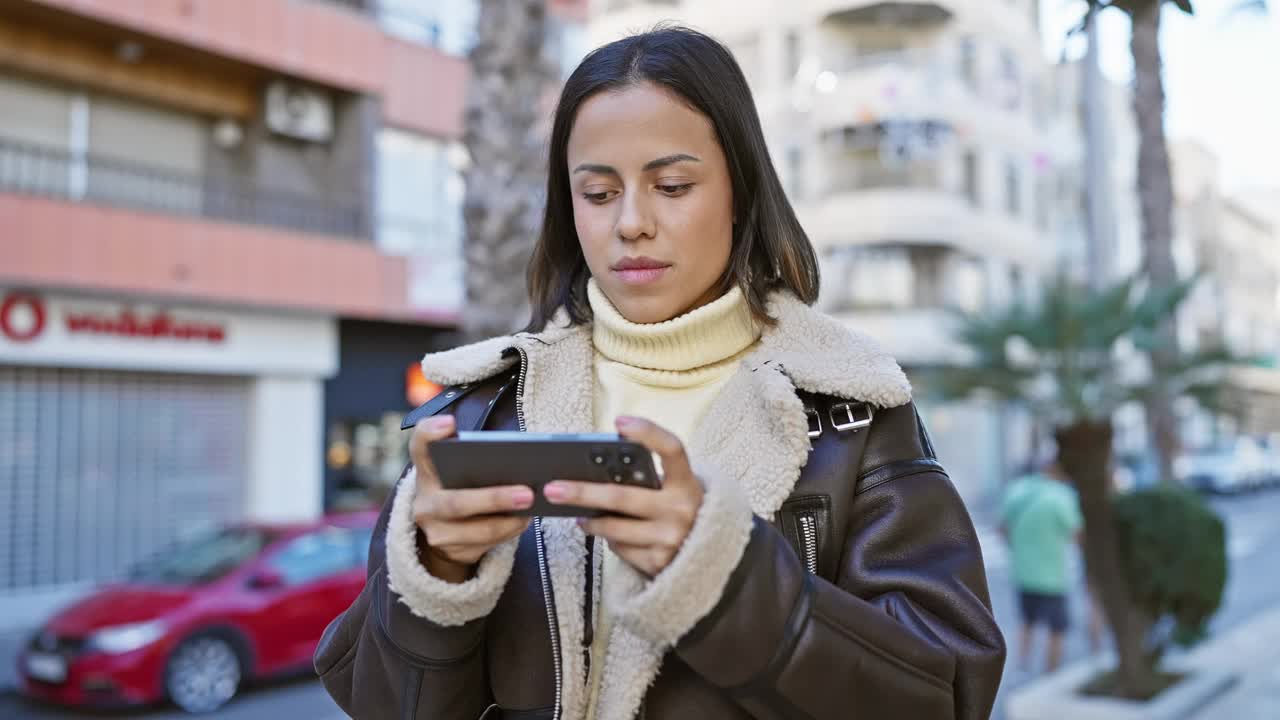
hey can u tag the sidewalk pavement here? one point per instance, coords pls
(1252, 650)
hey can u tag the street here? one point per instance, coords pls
(1252, 587)
(1253, 538)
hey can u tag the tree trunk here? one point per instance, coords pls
(1155, 194)
(1100, 214)
(506, 177)
(1084, 452)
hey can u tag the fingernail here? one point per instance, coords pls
(521, 497)
(582, 522)
(625, 421)
(442, 422)
(554, 491)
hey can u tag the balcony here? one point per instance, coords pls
(915, 214)
(926, 86)
(31, 169)
(895, 13)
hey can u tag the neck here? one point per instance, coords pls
(709, 334)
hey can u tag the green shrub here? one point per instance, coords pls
(1172, 548)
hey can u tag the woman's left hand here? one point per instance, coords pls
(645, 527)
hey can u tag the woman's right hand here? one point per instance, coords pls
(459, 526)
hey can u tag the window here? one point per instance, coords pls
(1042, 210)
(881, 278)
(317, 555)
(972, 179)
(202, 559)
(446, 24)
(967, 283)
(872, 168)
(1039, 105)
(795, 172)
(747, 52)
(1012, 189)
(1010, 81)
(793, 59)
(420, 195)
(969, 63)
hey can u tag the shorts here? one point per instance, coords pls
(1044, 608)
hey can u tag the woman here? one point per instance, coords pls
(806, 557)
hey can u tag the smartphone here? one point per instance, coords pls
(487, 458)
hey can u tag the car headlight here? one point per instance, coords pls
(125, 638)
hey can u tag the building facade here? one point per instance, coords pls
(1236, 304)
(211, 214)
(933, 155)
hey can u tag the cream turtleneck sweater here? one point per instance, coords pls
(667, 372)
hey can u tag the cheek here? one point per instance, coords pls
(594, 232)
(712, 227)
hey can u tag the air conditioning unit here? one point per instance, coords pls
(298, 111)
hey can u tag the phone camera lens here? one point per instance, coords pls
(627, 459)
(617, 476)
(597, 458)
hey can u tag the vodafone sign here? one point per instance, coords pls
(47, 328)
(23, 317)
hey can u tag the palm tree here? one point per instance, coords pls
(511, 75)
(1155, 195)
(1074, 359)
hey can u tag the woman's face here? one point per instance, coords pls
(652, 201)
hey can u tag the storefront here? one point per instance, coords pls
(126, 424)
(379, 380)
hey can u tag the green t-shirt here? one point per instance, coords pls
(1042, 517)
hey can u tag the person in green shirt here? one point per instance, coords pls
(1040, 518)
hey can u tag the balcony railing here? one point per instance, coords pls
(54, 172)
(851, 174)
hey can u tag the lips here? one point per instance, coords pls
(640, 263)
(639, 271)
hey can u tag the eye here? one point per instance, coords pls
(675, 190)
(598, 197)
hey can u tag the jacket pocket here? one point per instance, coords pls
(805, 521)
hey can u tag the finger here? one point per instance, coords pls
(621, 499)
(473, 502)
(424, 433)
(648, 560)
(474, 533)
(632, 532)
(675, 463)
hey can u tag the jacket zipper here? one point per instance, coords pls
(548, 600)
(809, 537)
(588, 636)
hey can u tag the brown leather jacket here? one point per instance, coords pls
(854, 587)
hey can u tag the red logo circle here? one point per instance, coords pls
(7, 324)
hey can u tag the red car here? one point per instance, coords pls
(193, 622)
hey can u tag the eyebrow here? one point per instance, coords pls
(651, 165)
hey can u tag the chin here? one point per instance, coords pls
(644, 309)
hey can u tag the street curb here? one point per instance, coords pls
(1054, 696)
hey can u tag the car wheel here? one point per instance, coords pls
(203, 673)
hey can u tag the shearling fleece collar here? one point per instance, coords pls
(748, 451)
(814, 350)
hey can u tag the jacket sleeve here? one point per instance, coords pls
(412, 645)
(905, 631)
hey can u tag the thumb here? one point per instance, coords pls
(426, 432)
(669, 449)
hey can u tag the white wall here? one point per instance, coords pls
(286, 480)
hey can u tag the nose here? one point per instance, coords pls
(635, 217)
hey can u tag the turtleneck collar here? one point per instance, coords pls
(712, 333)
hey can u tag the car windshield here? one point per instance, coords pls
(202, 559)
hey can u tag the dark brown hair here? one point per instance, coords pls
(770, 249)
